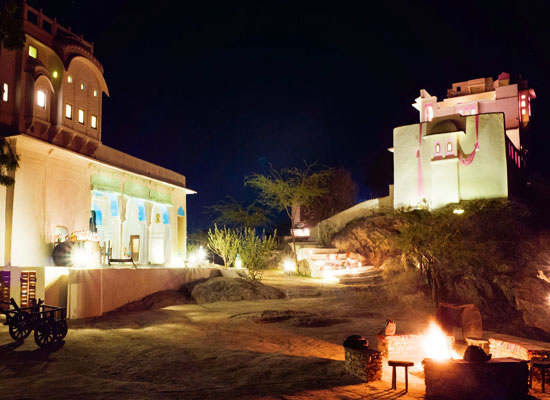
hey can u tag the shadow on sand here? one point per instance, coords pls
(27, 362)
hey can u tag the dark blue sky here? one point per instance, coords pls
(210, 89)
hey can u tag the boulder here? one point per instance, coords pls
(303, 268)
(531, 295)
(372, 238)
(475, 290)
(233, 289)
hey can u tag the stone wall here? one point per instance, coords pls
(405, 347)
(501, 378)
(521, 350)
(366, 364)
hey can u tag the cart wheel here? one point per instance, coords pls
(45, 333)
(20, 326)
(62, 329)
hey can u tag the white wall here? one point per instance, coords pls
(485, 177)
(363, 209)
(53, 188)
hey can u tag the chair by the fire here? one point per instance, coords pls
(394, 364)
(543, 365)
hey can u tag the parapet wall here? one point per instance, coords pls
(93, 292)
(363, 209)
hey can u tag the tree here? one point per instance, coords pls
(341, 193)
(225, 243)
(12, 36)
(235, 214)
(290, 187)
(255, 251)
(9, 162)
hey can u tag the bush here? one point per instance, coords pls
(225, 243)
(256, 252)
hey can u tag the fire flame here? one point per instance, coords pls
(436, 344)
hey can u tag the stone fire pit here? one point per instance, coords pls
(364, 363)
(500, 378)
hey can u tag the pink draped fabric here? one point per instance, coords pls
(470, 158)
(420, 183)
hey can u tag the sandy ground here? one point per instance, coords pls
(214, 351)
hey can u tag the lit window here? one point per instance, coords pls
(472, 111)
(523, 97)
(523, 111)
(93, 122)
(5, 92)
(523, 103)
(68, 111)
(82, 86)
(81, 116)
(54, 74)
(449, 147)
(70, 78)
(95, 92)
(437, 148)
(32, 52)
(41, 98)
(429, 113)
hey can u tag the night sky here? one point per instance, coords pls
(216, 90)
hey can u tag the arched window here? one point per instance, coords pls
(437, 148)
(429, 112)
(449, 147)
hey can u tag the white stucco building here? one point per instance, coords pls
(51, 114)
(468, 146)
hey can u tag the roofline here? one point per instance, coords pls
(24, 135)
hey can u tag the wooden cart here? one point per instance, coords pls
(49, 323)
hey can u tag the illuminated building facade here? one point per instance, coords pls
(51, 114)
(470, 145)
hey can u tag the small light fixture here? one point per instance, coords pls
(41, 98)
(289, 266)
(33, 52)
(82, 86)
(458, 211)
(95, 92)
(54, 74)
(70, 78)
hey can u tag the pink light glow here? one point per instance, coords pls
(420, 185)
(468, 160)
(429, 112)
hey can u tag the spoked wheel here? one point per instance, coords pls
(45, 333)
(62, 329)
(20, 326)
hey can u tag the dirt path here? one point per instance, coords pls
(210, 352)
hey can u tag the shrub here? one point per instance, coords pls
(256, 252)
(225, 243)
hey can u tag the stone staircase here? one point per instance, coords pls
(330, 263)
(370, 277)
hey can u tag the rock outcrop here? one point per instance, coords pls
(490, 257)
(375, 244)
(233, 289)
